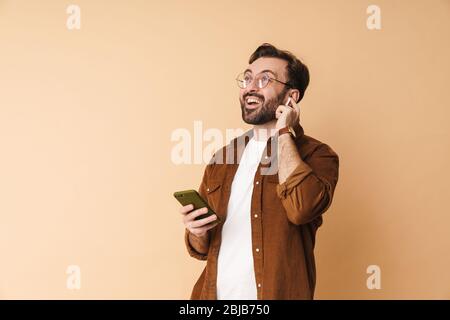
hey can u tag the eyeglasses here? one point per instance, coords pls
(262, 80)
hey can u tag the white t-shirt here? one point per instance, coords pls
(235, 271)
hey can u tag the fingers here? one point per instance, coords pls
(202, 222)
(197, 227)
(201, 231)
(194, 214)
(281, 108)
(287, 110)
(190, 217)
(295, 106)
(209, 226)
(186, 209)
(200, 227)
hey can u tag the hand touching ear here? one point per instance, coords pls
(287, 115)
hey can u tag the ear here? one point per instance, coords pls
(294, 94)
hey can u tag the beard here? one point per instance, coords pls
(263, 114)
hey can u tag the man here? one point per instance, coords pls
(264, 247)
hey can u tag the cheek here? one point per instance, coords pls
(268, 94)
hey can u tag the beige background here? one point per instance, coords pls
(86, 119)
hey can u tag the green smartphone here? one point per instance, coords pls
(193, 197)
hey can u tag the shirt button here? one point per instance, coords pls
(257, 182)
(207, 189)
(257, 249)
(259, 285)
(256, 216)
(266, 157)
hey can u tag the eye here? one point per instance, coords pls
(247, 78)
(261, 83)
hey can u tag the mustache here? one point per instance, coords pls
(253, 95)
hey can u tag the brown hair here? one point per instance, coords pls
(297, 72)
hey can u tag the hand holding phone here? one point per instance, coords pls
(198, 217)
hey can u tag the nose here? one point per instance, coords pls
(251, 88)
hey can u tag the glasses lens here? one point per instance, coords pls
(263, 80)
(243, 80)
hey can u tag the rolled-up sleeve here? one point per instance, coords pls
(189, 238)
(308, 191)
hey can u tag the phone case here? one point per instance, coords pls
(193, 197)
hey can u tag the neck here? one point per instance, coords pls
(262, 132)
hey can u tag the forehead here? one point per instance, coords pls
(278, 66)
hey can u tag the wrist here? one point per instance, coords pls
(286, 131)
(200, 237)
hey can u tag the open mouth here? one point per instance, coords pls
(253, 102)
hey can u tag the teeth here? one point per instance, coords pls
(253, 100)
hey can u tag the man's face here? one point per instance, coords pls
(258, 105)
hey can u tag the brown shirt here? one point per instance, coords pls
(284, 217)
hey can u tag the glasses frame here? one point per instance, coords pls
(253, 78)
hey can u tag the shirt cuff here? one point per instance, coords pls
(192, 252)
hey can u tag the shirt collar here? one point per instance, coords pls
(239, 143)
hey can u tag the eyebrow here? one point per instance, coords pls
(265, 70)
